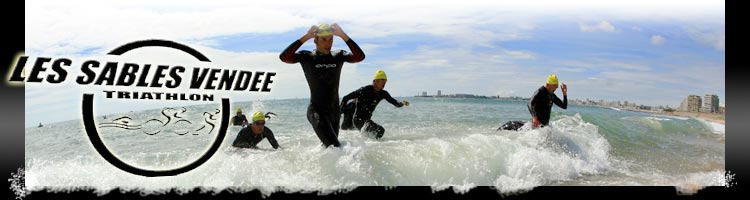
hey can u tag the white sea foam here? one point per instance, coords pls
(420, 147)
(672, 117)
(716, 128)
(658, 118)
(508, 161)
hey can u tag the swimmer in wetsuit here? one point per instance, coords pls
(239, 119)
(322, 68)
(540, 105)
(358, 113)
(251, 135)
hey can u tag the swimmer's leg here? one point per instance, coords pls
(326, 131)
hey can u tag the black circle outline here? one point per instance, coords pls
(92, 132)
(159, 43)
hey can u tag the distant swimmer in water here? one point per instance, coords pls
(357, 113)
(512, 125)
(239, 119)
(540, 105)
(251, 135)
(322, 69)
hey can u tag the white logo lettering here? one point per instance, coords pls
(325, 66)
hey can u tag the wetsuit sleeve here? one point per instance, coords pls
(289, 55)
(532, 103)
(563, 104)
(355, 94)
(242, 140)
(271, 139)
(391, 99)
(357, 54)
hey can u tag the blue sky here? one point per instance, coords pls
(654, 53)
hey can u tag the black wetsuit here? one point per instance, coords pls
(540, 104)
(322, 72)
(511, 125)
(348, 111)
(237, 120)
(367, 100)
(247, 139)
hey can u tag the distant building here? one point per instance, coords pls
(692, 103)
(464, 95)
(439, 94)
(424, 94)
(710, 103)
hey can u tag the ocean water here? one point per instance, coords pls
(436, 142)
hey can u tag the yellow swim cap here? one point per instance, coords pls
(258, 116)
(380, 74)
(324, 30)
(239, 109)
(552, 79)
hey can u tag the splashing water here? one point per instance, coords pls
(434, 142)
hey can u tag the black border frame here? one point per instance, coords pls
(12, 139)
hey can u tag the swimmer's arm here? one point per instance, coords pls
(355, 94)
(563, 104)
(532, 103)
(271, 139)
(241, 140)
(392, 100)
(289, 55)
(357, 54)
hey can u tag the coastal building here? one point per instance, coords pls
(710, 103)
(439, 93)
(424, 94)
(692, 103)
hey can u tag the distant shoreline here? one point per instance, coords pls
(712, 117)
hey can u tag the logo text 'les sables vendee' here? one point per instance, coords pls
(131, 74)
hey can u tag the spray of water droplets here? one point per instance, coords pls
(17, 183)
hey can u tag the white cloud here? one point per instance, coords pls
(713, 38)
(92, 25)
(598, 64)
(657, 40)
(520, 54)
(72, 27)
(635, 28)
(97, 24)
(603, 26)
(459, 71)
(637, 81)
(652, 88)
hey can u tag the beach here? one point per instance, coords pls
(712, 117)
